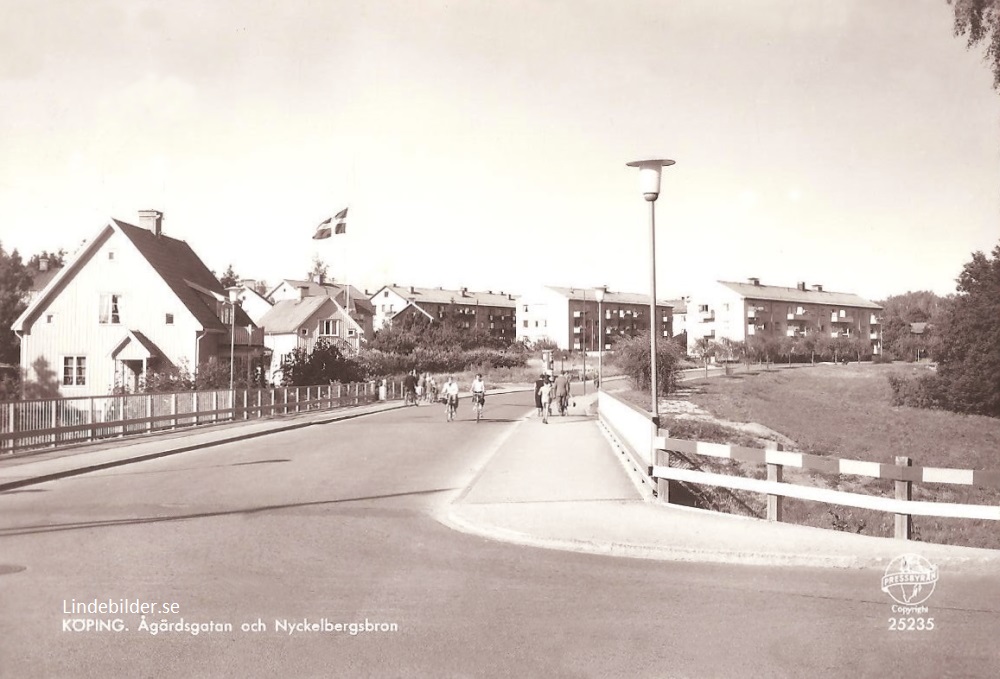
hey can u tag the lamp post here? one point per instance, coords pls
(234, 292)
(649, 184)
(583, 339)
(599, 295)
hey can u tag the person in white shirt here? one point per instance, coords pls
(450, 393)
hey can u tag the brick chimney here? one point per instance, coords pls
(754, 281)
(817, 287)
(151, 220)
(43, 263)
(802, 286)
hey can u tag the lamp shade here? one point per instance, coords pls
(599, 294)
(649, 176)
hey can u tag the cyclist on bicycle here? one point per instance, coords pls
(450, 393)
(410, 388)
(478, 394)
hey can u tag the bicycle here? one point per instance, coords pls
(478, 401)
(452, 407)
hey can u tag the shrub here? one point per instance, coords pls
(632, 357)
(916, 391)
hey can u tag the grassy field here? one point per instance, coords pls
(844, 411)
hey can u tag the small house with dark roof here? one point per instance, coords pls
(292, 324)
(131, 300)
(346, 295)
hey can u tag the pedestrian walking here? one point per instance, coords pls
(545, 396)
(561, 387)
(538, 394)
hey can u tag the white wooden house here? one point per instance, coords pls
(131, 299)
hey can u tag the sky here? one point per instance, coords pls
(846, 143)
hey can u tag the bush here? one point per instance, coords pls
(379, 363)
(917, 391)
(632, 357)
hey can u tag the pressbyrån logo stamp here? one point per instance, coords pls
(910, 579)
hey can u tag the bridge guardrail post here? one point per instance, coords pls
(661, 458)
(904, 491)
(774, 474)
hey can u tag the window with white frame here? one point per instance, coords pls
(110, 309)
(329, 327)
(74, 371)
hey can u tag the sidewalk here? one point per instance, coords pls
(37, 467)
(562, 486)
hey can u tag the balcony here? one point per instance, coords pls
(873, 320)
(834, 318)
(707, 316)
(751, 313)
(798, 317)
(873, 335)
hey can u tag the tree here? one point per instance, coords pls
(319, 269)
(979, 21)
(632, 356)
(324, 365)
(15, 281)
(899, 311)
(229, 277)
(56, 259)
(968, 346)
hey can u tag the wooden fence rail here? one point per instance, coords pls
(43, 423)
(903, 473)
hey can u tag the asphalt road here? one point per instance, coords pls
(337, 522)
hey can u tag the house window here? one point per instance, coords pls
(110, 311)
(226, 314)
(48, 318)
(330, 327)
(111, 254)
(169, 319)
(74, 371)
(351, 332)
(526, 324)
(304, 331)
(385, 294)
(702, 308)
(525, 308)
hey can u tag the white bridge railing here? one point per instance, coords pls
(661, 455)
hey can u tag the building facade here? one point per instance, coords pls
(490, 312)
(742, 311)
(131, 300)
(572, 317)
(300, 323)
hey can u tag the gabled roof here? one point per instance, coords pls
(41, 278)
(777, 293)
(140, 346)
(446, 296)
(288, 315)
(178, 265)
(610, 297)
(173, 260)
(359, 300)
(416, 308)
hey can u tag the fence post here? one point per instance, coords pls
(904, 491)
(661, 458)
(284, 410)
(121, 413)
(215, 406)
(297, 399)
(246, 404)
(308, 398)
(260, 398)
(149, 411)
(195, 407)
(774, 474)
(93, 425)
(55, 422)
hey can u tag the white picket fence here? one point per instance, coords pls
(44, 423)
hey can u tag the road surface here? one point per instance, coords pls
(335, 524)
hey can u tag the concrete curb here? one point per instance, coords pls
(454, 520)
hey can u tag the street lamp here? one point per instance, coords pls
(234, 292)
(583, 340)
(649, 184)
(599, 295)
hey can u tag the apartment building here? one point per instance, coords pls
(571, 317)
(740, 311)
(489, 311)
